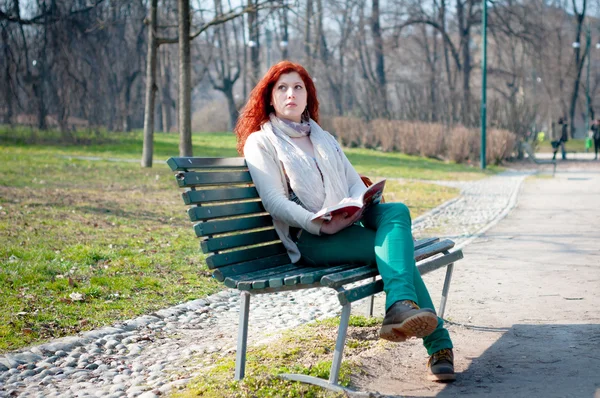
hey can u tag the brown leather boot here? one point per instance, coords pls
(404, 319)
(441, 366)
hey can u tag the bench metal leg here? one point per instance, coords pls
(339, 344)
(372, 301)
(336, 364)
(445, 289)
(240, 355)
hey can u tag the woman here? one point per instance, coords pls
(298, 169)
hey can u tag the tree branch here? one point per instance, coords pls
(436, 26)
(45, 17)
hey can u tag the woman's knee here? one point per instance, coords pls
(397, 212)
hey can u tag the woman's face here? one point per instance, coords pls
(289, 97)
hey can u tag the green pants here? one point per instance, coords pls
(383, 238)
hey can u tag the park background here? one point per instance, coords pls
(90, 90)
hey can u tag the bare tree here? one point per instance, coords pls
(579, 60)
(148, 145)
(227, 66)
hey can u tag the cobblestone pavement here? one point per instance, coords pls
(151, 355)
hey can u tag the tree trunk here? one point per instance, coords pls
(379, 59)
(579, 62)
(165, 92)
(150, 88)
(127, 102)
(307, 55)
(255, 48)
(284, 36)
(185, 86)
(8, 86)
(233, 111)
(464, 26)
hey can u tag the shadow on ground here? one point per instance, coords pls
(520, 364)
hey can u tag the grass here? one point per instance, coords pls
(112, 232)
(86, 243)
(305, 350)
(573, 145)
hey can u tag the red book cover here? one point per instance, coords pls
(370, 197)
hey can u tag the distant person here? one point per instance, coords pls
(560, 135)
(596, 137)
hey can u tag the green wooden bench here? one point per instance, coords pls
(246, 253)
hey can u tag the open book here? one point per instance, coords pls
(370, 197)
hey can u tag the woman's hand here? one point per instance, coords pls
(339, 222)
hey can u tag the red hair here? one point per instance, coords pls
(257, 109)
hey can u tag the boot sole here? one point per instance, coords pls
(441, 377)
(419, 325)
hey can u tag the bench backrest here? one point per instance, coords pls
(230, 217)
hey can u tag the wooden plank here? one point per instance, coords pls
(194, 179)
(353, 275)
(247, 239)
(427, 267)
(261, 275)
(218, 195)
(425, 242)
(190, 163)
(431, 250)
(368, 289)
(238, 256)
(220, 227)
(357, 274)
(300, 275)
(316, 274)
(202, 213)
(222, 273)
(264, 282)
(360, 292)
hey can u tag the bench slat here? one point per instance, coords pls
(230, 242)
(425, 248)
(279, 277)
(259, 276)
(202, 213)
(368, 289)
(216, 195)
(189, 163)
(220, 260)
(250, 266)
(431, 250)
(425, 242)
(316, 275)
(194, 179)
(341, 278)
(439, 262)
(279, 281)
(223, 226)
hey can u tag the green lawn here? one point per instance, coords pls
(306, 349)
(88, 242)
(577, 145)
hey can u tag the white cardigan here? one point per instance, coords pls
(269, 178)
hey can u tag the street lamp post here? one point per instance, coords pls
(483, 84)
(588, 41)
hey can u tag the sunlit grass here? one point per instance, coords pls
(117, 234)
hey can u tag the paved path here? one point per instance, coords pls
(153, 354)
(524, 304)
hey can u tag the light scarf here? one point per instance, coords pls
(304, 174)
